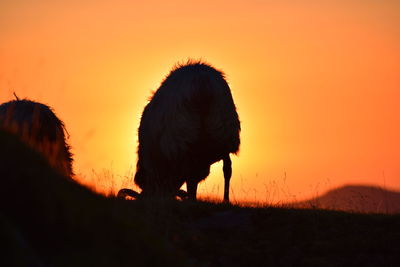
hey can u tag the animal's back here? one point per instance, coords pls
(37, 125)
(33, 119)
(193, 103)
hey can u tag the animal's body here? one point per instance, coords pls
(38, 126)
(190, 123)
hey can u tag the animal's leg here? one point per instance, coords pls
(192, 189)
(194, 178)
(227, 168)
(127, 192)
(182, 194)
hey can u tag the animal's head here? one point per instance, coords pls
(154, 185)
(125, 192)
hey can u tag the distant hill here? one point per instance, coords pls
(356, 198)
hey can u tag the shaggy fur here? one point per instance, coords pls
(190, 123)
(38, 126)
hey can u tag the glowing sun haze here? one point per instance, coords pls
(316, 83)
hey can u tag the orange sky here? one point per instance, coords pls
(317, 85)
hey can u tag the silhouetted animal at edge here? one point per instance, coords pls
(190, 123)
(38, 126)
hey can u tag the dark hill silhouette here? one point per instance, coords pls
(356, 198)
(47, 220)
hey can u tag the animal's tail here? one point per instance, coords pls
(16, 97)
(227, 168)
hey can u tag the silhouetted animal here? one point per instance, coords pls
(38, 126)
(190, 123)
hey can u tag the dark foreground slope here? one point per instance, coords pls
(46, 220)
